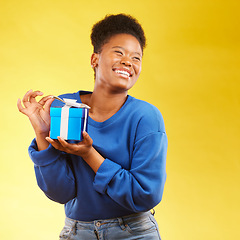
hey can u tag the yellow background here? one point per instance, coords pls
(190, 72)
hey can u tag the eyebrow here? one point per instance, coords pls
(124, 49)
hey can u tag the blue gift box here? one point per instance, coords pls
(68, 122)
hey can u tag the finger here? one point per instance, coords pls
(25, 99)
(49, 140)
(34, 95)
(64, 143)
(20, 107)
(67, 147)
(54, 143)
(87, 139)
(29, 97)
(48, 101)
(44, 99)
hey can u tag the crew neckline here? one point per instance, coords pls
(109, 120)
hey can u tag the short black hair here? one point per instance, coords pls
(111, 25)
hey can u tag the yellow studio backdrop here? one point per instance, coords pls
(190, 72)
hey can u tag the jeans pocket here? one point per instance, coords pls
(140, 225)
(65, 233)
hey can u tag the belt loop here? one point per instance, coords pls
(96, 233)
(75, 228)
(121, 223)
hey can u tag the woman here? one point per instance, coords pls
(110, 180)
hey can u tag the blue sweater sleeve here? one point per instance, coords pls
(141, 187)
(54, 175)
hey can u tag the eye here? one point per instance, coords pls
(137, 59)
(118, 52)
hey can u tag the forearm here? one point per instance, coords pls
(42, 143)
(84, 149)
(93, 159)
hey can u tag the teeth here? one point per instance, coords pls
(122, 72)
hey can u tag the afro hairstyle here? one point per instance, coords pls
(111, 25)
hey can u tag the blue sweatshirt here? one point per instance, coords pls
(131, 179)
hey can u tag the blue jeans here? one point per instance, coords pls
(135, 226)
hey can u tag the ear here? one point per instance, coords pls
(94, 60)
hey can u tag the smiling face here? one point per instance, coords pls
(118, 65)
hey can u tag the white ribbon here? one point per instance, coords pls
(64, 122)
(65, 116)
(85, 121)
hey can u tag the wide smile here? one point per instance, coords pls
(125, 73)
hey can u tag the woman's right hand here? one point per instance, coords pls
(37, 112)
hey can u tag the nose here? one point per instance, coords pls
(125, 61)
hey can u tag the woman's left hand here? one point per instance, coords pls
(81, 149)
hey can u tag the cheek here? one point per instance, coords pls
(138, 69)
(104, 67)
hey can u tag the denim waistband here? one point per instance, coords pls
(102, 223)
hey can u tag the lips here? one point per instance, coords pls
(123, 72)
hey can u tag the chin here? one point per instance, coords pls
(124, 87)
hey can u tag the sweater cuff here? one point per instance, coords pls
(44, 157)
(104, 175)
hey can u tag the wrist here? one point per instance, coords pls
(93, 159)
(88, 154)
(42, 143)
(42, 134)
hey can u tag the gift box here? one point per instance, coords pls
(69, 121)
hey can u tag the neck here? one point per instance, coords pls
(105, 104)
